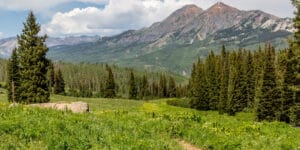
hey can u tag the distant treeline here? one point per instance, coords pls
(90, 80)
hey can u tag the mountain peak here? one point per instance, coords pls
(220, 7)
(188, 10)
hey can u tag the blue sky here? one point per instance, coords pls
(109, 17)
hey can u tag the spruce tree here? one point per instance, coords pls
(258, 70)
(50, 76)
(13, 78)
(172, 87)
(223, 100)
(200, 96)
(289, 78)
(33, 63)
(212, 81)
(132, 87)
(238, 100)
(295, 110)
(250, 79)
(59, 83)
(269, 100)
(110, 85)
(162, 87)
(144, 92)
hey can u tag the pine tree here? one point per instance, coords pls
(13, 78)
(110, 86)
(212, 81)
(200, 96)
(258, 70)
(132, 87)
(144, 92)
(237, 99)
(162, 87)
(50, 76)
(269, 100)
(224, 81)
(289, 79)
(250, 78)
(59, 83)
(33, 63)
(172, 87)
(295, 110)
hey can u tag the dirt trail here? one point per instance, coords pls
(186, 145)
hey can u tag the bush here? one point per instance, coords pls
(185, 103)
(295, 115)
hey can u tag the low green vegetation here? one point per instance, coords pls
(129, 124)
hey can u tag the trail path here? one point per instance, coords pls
(186, 145)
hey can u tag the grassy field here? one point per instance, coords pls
(126, 124)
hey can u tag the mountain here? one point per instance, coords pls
(7, 44)
(177, 41)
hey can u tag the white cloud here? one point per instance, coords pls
(121, 15)
(1, 34)
(40, 5)
(116, 16)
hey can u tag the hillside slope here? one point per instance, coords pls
(176, 42)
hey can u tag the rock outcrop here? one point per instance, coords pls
(75, 107)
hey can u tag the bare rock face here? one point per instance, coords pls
(75, 107)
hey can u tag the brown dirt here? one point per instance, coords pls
(186, 145)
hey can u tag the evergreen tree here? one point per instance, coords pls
(238, 100)
(269, 100)
(258, 70)
(154, 89)
(289, 78)
(33, 63)
(250, 78)
(200, 96)
(132, 87)
(110, 86)
(144, 92)
(224, 81)
(172, 87)
(295, 113)
(13, 78)
(50, 76)
(59, 83)
(162, 88)
(212, 81)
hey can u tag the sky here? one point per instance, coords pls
(109, 17)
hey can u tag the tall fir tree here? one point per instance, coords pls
(295, 110)
(59, 83)
(144, 89)
(162, 87)
(289, 79)
(110, 85)
(33, 63)
(250, 79)
(199, 92)
(13, 78)
(50, 76)
(223, 100)
(212, 81)
(172, 87)
(259, 58)
(238, 100)
(269, 101)
(132, 87)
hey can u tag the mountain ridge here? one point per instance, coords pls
(177, 41)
